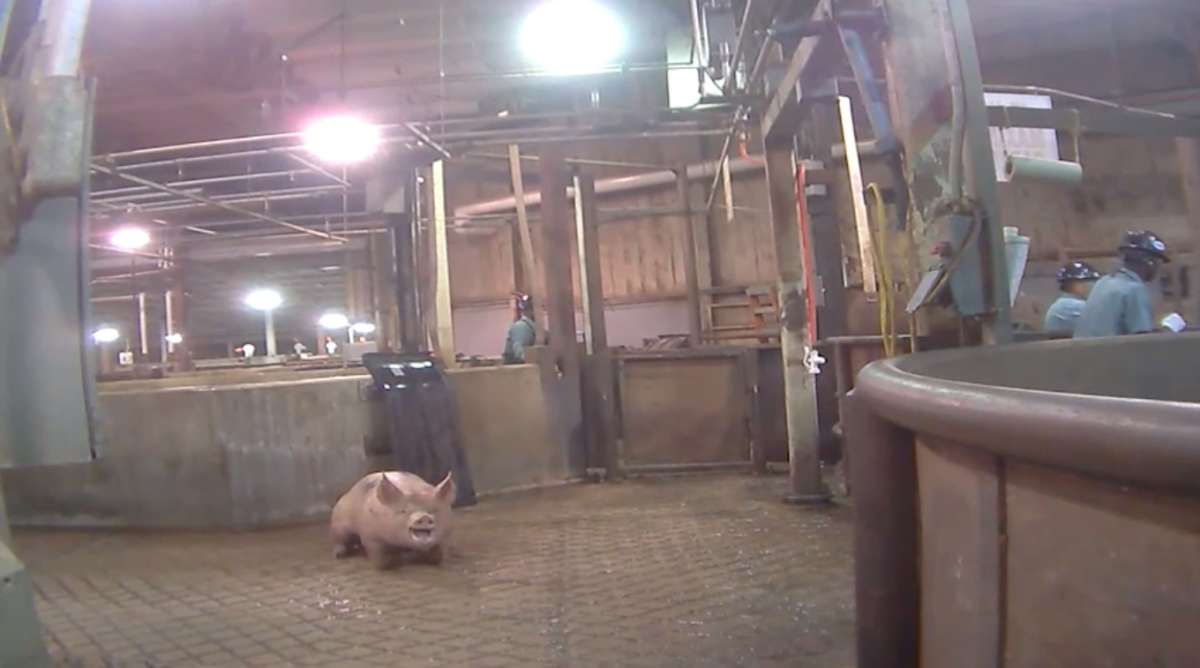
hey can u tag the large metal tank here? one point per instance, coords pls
(1029, 505)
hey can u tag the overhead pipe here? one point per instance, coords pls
(620, 184)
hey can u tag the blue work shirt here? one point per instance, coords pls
(521, 335)
(1062, 315)
(1119, 305)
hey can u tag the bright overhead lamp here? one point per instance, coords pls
(264, 299)
(106, 335)
(572, 36)
(363, 328)
(342, 140)
(334, 321)
(174, 339)
(130, 238)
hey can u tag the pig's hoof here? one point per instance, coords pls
(434, 555)
(341, 551)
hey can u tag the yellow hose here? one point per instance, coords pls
(887, 296)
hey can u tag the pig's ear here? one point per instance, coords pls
(387, 491)
(445, 489)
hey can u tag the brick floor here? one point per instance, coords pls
(700, 571)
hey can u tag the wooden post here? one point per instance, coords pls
(702, 237)
(1189, 171)
(695, 324)
(528, 284)
(443, 307)
(561, 370)
(598, 380)
(587, 235)
(800, 387)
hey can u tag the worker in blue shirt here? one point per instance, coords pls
(522, 333)
(1076, 281)
(1120, 302)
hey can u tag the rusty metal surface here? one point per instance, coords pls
(685, 409)
(686, 572)
(883, 473)
(960, 555)
(1100, 574)
(1157, 443)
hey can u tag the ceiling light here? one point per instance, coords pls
(130, 238)
(106, 335)
(175, 339)
(342, 140)
(363, 328)
(334, 321)
(264, 300)
(572, 36)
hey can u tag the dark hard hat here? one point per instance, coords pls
(1078, 271)
(1147, 242)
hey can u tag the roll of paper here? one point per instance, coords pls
(1021, 168)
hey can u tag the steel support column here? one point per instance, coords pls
(1189, 169)
(930, 50)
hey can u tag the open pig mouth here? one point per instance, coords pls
(421, 533)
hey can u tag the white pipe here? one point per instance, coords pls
(142, 329)
(168, 303)
(620, 184)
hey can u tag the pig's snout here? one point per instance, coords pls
(421, 527)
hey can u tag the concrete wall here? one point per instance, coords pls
(506, 430)
(269, 453)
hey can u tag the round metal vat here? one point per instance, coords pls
(1029, 505)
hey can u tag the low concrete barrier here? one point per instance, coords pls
(270, 452)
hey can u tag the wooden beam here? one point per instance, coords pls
(443, 306)
(598, 382)
(1189, 169)
(779, 118)
(562, 369)
(800, 387)
(862, 222)
(528, 260)
(692, 281)
(587, 236)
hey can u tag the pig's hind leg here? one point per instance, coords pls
(345, 544)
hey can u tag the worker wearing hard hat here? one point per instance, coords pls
(522, 333)
(1120, 302)
(1076, 281)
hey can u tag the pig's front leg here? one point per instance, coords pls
(381, 556)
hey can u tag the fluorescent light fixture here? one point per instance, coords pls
(106, 335)
(130, 238)
(363, 328)
(572, 36)
(334, 321)
(264, 299)
(342, 140)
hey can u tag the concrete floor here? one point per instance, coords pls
(699, 571)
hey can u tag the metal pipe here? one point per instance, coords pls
(599, 137)
(242, 198)
(620, 184)
(66, 25)
(210, 202)
(106, 195)
(574, 161)
(739, 45)
(319, 169)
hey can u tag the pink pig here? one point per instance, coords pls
(392, 514)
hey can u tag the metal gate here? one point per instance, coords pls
(687, 410)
